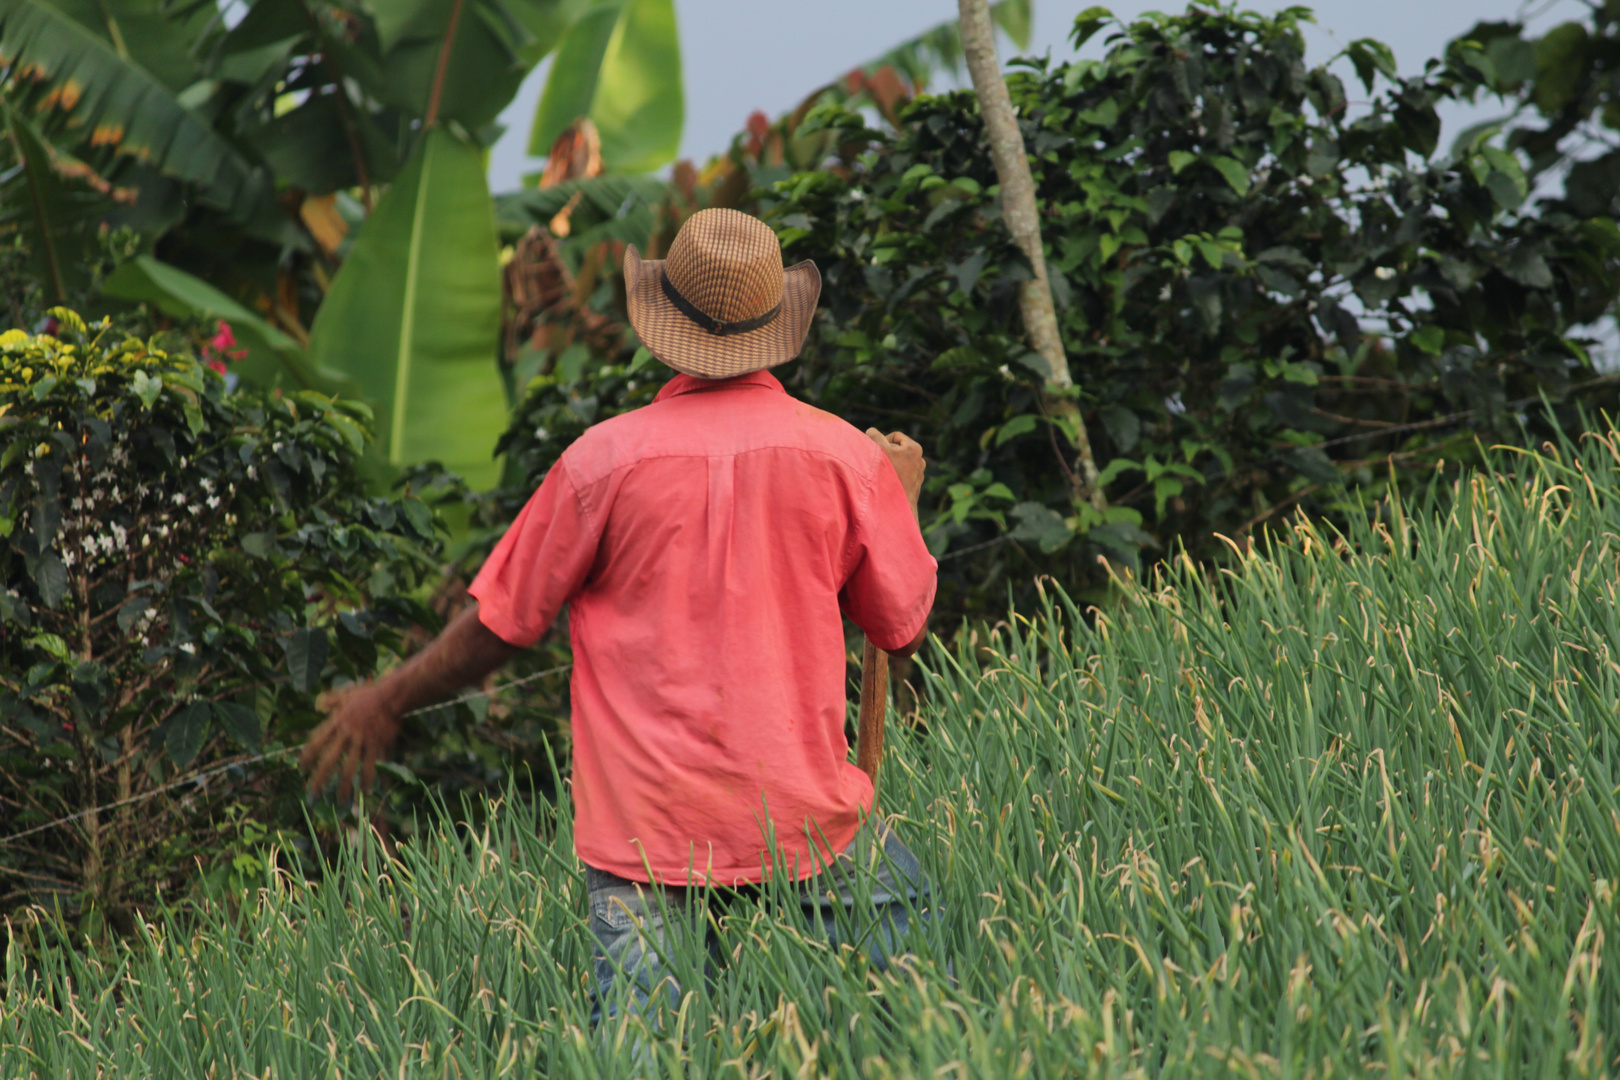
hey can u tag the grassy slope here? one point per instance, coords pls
(1359, 813)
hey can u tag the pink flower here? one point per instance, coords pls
(220, 347)
(224, 339)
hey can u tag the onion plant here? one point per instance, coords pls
(1347, 805)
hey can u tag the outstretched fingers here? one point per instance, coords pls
(329, 745)
(368, 767)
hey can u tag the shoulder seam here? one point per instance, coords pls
(855, 467)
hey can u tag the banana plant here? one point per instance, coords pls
(414, 315)
(48, 198)
(93, 94)
(618, 64)
(389, 98)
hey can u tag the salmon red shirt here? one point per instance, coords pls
(706, 545)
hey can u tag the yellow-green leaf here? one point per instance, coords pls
(414, 314)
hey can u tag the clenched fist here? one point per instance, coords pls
(906, 457)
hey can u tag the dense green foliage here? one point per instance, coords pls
(1566, 85)
(1349, 807)
(274, 155)
(1268, 293)
(1264, 291)
(182, 570)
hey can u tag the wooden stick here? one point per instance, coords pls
(874, 707)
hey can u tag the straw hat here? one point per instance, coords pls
(721, 304)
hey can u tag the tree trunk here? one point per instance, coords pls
(1018, 210)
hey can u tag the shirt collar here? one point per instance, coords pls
(683, 383)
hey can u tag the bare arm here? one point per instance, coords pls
(363, 720)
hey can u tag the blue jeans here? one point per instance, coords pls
(865, 898)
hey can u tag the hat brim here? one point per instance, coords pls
(685, 346)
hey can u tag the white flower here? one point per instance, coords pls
(195, 509)
(213, 502)
(188, 648)
(77, 503)
(1384, 273)
(179, 498)
(68, 557)
(146, 541)
(252, 473)
(207, 484)
(1164, 293)
(163, 531)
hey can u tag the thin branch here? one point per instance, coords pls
(1352, 420)
(432, 116)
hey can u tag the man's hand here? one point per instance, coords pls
(362, 720)
(361, 723)
(906, 457)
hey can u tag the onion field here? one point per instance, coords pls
(1346, 806)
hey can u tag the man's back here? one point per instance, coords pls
(705, 545)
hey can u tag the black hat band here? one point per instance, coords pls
(709, 322)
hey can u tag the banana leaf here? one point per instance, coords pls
(940, 47)
(414, 314)
(622, 205)
(110, 101)
(158, 35)
(620, 65)
(40, 198)
(496, 44)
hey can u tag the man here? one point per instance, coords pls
(705, 545)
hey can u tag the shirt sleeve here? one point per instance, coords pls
(890, 585)
(539, 564)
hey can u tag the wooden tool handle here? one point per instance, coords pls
(874, 706)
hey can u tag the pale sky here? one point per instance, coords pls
(742, 55)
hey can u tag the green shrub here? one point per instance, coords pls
(1266, 292)
(1347, 810)
(183, 569)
